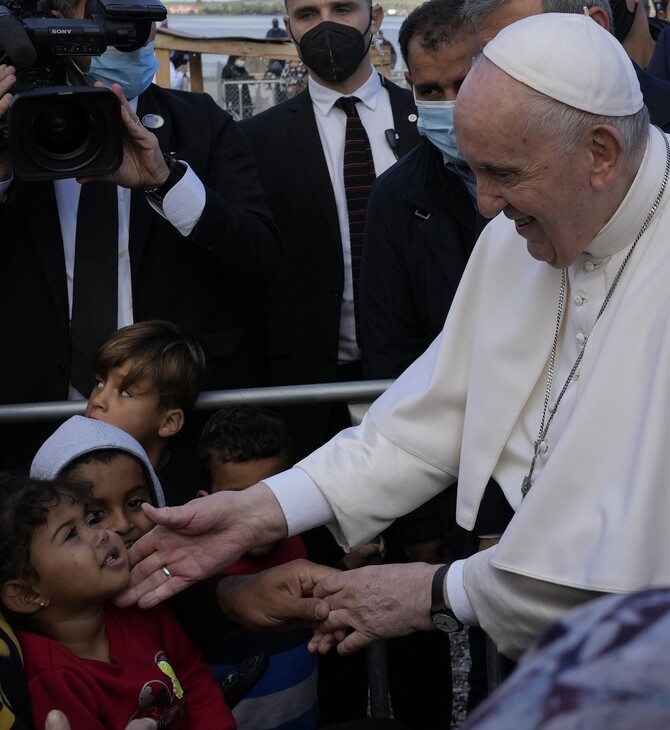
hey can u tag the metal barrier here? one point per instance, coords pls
(246, 97)
(362, 391)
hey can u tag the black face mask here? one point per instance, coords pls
(623, 19)
(334, 51)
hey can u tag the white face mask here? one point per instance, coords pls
(134, 70)
(239, 63)
(436, 122)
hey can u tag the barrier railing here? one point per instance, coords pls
(354, 392)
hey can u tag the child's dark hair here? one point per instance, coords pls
(244, 433)
(24, 506)
(159, 351)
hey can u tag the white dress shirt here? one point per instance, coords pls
(377, 116)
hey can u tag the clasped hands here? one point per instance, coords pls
(347, 610)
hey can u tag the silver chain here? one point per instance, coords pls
(544, 428)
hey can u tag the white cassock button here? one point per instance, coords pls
(551, 407)
(581, 338)
(544, 447)
(578, 299)
(589, 265)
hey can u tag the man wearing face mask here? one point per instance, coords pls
(422, 224)
(194, 234)
(422, 221)
(299, 148)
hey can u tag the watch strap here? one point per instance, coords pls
(441, 615)
(177, 170)
(437, 590)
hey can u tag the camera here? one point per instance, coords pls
(55, 130)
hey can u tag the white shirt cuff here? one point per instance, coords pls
(184, 203)
(457, 596)
(301, 500)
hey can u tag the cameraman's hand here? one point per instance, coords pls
(143, 164)
(7, 80)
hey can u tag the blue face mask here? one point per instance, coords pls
(134, 70)
(436, 122)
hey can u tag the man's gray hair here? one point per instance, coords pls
(475, 11)
(548, 117)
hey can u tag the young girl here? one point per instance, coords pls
(101, 665)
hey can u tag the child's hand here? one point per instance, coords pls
(277, 598)
(365, 555)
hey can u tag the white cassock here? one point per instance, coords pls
(597, 516)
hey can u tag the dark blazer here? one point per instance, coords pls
(205, 281)
(302, 329)
(656, 95)
(421, 228)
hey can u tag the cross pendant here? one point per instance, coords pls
(525, 486)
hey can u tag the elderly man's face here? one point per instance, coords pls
(548, 196)
(505, 15)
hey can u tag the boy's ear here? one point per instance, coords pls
(19, 597)
(172, 422)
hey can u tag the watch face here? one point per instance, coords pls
(444, 622)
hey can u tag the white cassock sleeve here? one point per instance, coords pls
(514, 609)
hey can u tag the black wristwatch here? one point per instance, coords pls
(443, 618)
(177, 171)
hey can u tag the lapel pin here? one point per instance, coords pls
(153, 121)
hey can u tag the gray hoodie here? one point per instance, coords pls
(80, 435)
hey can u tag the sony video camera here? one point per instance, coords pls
(55, 130)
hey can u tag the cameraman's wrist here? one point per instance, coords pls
(174, 172)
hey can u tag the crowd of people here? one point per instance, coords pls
(492, 238)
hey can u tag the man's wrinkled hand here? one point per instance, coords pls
(375, 602)
(197, 540)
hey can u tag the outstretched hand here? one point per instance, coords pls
(199, 539)
(375, 602)
(143, 164)
(278, 598)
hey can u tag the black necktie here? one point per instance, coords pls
(359, 174)
(95, 284)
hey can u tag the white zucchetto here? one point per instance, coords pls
(570, 58)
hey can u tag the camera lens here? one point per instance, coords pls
(61, 129)
(58, 132)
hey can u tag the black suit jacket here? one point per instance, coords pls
(303, 315)
(205, 281)
(421, 228)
